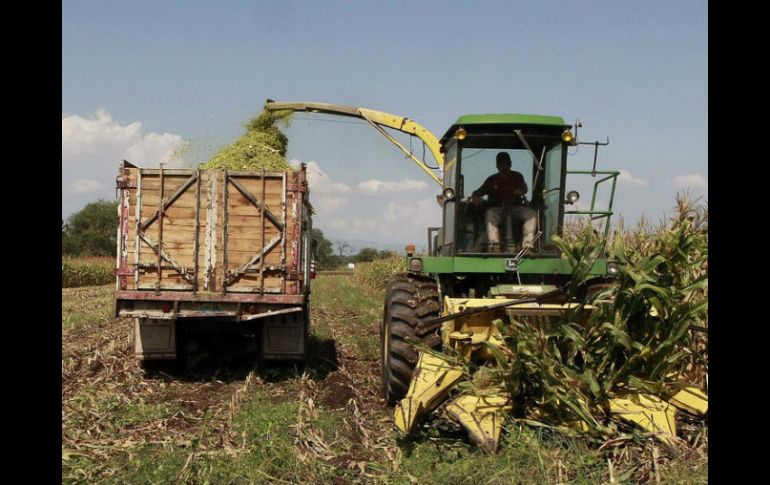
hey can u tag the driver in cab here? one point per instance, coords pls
(506, 190)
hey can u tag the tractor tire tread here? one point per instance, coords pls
(410, 300)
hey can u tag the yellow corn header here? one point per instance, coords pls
(482, 411)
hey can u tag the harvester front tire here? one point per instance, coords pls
(409, 303)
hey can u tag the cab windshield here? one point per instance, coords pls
(509, 199)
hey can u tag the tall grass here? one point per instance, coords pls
(87, 271)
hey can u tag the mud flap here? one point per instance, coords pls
(284, 337)
(154, 339)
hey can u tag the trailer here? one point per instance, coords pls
(215, 251)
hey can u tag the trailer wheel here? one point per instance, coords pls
(410, 301)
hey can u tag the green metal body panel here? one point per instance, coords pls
(510, 118)
(496, 264)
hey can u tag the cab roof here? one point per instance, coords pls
(510, 118)
(481, 122)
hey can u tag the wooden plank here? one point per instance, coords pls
(271, 283)
(237, 259)
(238, 215)
(177, 236)
(186, 199)
(151, 188)
(248, 245)
(151, 182)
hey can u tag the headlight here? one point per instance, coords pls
(460, 134)
(572, 197)
(613, 268)
(415, 264)
(449, 193)
(567, 136)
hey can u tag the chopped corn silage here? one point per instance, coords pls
(262, 147)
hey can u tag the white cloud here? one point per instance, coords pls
(102, 134)
(328, 204)
(82, 135)
(338, 224)
(321, 183)
(92, 148)
(379, 187)
(421, 214)
(691, 181)
(84, 186)
(626, 178)
(154, 147)
(326, 194)
(355, 226)
(343, 211)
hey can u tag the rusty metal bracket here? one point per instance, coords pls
(124, 182)
(270, 313)
(296, 187)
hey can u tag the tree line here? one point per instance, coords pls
(330, 255)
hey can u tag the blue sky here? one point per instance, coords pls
(139, 78)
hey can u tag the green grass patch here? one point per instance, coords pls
(524, 458)
(268, 452)
(355, 311)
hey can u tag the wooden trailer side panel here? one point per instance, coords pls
(210, 230)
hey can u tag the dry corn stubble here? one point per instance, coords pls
(111, 408)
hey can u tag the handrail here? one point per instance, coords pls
(597, 214)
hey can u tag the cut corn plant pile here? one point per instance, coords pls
(262, 147)
(87, 271)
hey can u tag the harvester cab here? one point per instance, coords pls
(503, 192)
(536, 153)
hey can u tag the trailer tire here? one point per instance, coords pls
(409, 302)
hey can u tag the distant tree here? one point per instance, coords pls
(92, 231)
(343, 250)
(366, 255)
(323, 251)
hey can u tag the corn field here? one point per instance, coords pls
(87, 271)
